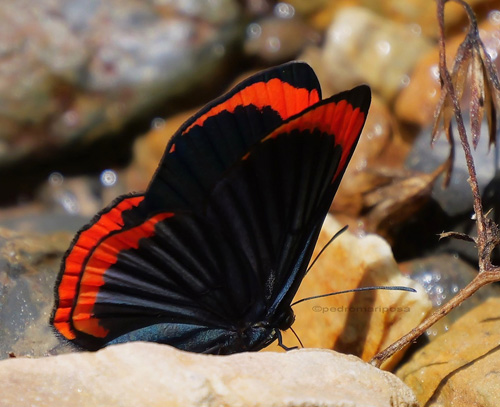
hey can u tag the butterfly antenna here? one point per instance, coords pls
(325, 246)
(394, 288)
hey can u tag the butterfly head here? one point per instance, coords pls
(285, 319)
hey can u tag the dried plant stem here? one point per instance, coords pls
(481, 280)
(488, 233)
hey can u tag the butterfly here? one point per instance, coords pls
(209, 258)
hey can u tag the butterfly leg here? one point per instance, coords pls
(282, 345)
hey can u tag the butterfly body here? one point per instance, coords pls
(209, 258)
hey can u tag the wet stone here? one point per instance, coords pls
(385, 51)
(29, 264)
(459, 368)
(443, 276)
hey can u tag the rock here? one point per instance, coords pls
(278, 39)
(71, 73)
(416, 103)
(419, 16)
(456, 198)
(443, 276)
(147, 374)
(422, 15)
(362, 47)
(307, 7)
(459, 368)
(322, 17)
(362, 323)
(65, 203)
(28, 269)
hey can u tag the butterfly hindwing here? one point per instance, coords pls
(110, 219)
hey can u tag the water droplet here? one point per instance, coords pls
(405, 80)
(342, 33)
(273, 44)
(108, 178)
(71, 118)
(56, 179)
(69, 202)
(284, 10)
(361, 230)
(494, 17)
(492, 52)
(254, 30)
(416, 29)
(427, 278)
(384, 47)
(157, 123)
(219, 50)
(434, 69)
(361, 165)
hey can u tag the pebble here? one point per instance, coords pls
(385, 51)
(459, 368)
(140, 374)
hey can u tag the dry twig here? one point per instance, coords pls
(473, 63)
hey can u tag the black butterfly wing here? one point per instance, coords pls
(274, 202)
(200, 280)
(222, 132)
(196, 157)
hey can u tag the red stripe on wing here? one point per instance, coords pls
(74, 261)
(338, 118)
(282, 97)
(104, 256)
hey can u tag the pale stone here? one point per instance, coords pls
(362, 47)
(460, 368)
(362, 323)
(148, 374)
(421, 15)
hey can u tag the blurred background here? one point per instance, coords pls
(91, 92)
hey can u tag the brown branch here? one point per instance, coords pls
(488, 232)
(481, 280)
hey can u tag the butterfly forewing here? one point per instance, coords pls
(221, 133)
